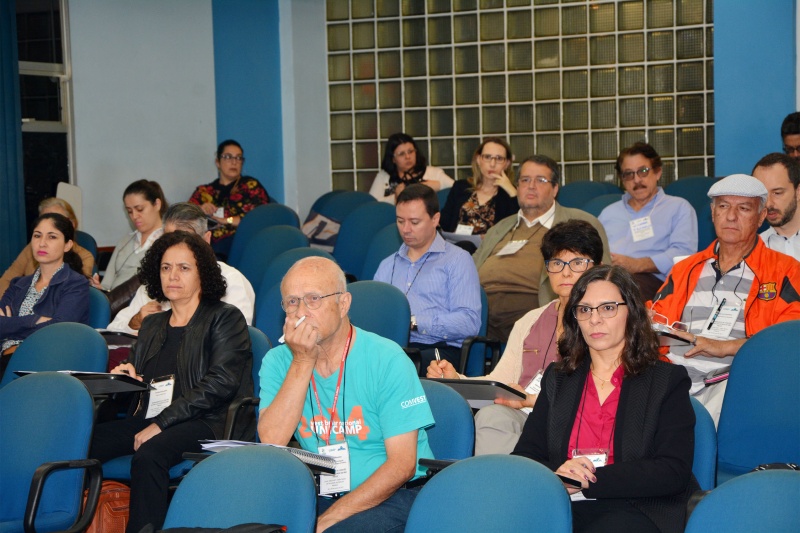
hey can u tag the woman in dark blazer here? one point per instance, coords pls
(612, 416)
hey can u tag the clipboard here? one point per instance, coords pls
(100, 383)
(480, 393)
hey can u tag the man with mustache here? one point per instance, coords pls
(647, 229)
(780, 174)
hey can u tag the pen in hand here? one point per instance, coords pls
(299, 321)
(438, 358)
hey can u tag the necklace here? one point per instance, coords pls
(602, 381)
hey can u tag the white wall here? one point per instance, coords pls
(143, 101)
(304, 78)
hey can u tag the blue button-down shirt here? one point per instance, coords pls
(674, 226)
(442, 288)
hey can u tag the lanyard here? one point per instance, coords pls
(338, 385)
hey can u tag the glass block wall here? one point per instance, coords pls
(575, 80)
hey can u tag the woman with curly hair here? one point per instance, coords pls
(611, 416)
(197, 359)
(230, 197)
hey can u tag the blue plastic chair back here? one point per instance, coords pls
(99, 309)
(492, 493)
(694, 189)
(338, 206)
(321, 202)
(578, 193)
(269, 315)
(263, 216)
(758, 501)
(356, 233)
(43, 417)
(260, 345)
(264, 247)
(279, 266)
(705, 226)
(704, 467)
(61, 346)
(86, 241)
(453, 434)
(479, 353)
(596, 205)
(380, 308)
(760, 418)
(442, 194)
(252, 484)
(383, 244)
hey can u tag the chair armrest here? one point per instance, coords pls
(415, 355)
(234, 410)
(436, 465)
(95, 471)
(494, 344)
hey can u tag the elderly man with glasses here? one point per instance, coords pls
(717, 298)
(647, 229)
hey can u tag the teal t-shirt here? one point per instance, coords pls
(380, 397)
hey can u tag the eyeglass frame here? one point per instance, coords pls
(230, 157)
(320, 297)
(596, 308)
(489, 158)
(789, 150)
(538, 180)
(410, 151)
(642, 172)
(667, 324)
(565, 263)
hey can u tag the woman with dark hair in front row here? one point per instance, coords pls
(612, 417)
(197, 357)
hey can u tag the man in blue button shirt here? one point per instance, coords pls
(438, 278)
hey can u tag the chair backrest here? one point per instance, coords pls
(383, 244)
(260, 345)
(251, 484)
(578, 193)
(760, 418)
(442, 194)
(62, 346)
(694, 189)
(279, 266)
(758, 501)
(596, 205)
(84, 240)
(43, 417)
(380, 308)
(492, 493)
(264, 247)
(704, 467)
(269, 315)
(321, 202)
(99, 309)
(478, 353)
(263, 216)
(356, 233)
(705, 226)
(453, 434)
(338, 206)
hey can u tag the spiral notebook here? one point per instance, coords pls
(321, 463)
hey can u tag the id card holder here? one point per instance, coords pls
(160, 395)
(464, 229)
(340, 481)
(220, 212)
(512, 247)
(719, 325)
(534, 387)
(641, 229)
(597, 456)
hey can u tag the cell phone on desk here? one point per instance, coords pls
(569, 481)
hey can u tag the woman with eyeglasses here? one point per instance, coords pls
(569, 249)
(230, 197)
(489, 196)
(197, 358)
(613, 420)
(402, 165)
(647, 229)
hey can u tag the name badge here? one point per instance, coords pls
(340, 481)
(160, 395)
(534, 387)
(512, 247)
(597, 456)
(641, 228)
(720, 323)
(220, 212)
(464, 229)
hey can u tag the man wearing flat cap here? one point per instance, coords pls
(729, 291)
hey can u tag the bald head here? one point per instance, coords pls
(318, 268)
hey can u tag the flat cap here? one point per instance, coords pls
(739, 185)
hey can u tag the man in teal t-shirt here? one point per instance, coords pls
(364, 387)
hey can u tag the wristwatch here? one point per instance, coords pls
(229, 220)
(413, 323)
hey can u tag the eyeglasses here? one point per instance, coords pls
(643, 172)
(537, 180)
(493, 158)
(604, 310)
(312, 301)
(578, 264)
(398, 155)
(660, 321)
(789, 150)
(229, 157)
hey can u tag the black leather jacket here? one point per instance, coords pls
(214, 363)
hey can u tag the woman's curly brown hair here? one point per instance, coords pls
(212, 283)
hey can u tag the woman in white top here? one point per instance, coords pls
(402, 165)
(145, 203)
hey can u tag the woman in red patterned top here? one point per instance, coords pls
(229, 197)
